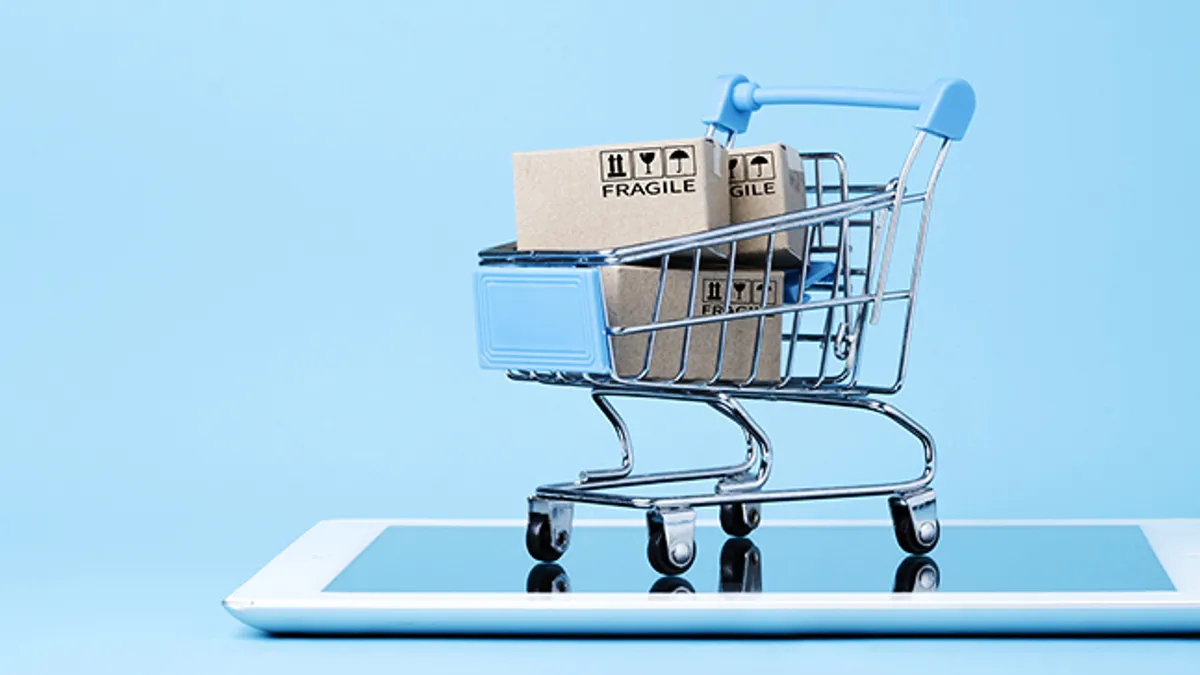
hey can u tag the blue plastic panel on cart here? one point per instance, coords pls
(541, 318)
(818, 271)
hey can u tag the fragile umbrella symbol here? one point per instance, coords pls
(758, 162)
(679, 156)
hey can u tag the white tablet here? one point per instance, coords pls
(810, 577)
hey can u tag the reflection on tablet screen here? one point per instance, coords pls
(774, 559)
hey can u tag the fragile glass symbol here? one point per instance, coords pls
(739, 287)
(648, 159)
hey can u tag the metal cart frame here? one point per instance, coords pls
(852, 296)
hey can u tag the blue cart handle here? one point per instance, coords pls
(945, 110)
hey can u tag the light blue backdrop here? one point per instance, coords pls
(237, 243)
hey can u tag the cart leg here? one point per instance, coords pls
(548, 533)
(672, 545)
(914, 517)
(739, 519)
(914, 506)
(618, 425)
(744, 476)
(905, 422)
(758, 448)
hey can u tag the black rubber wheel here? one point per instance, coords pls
(672, 585)
(906, 529)
(739, 520)
(547, 578)
(540, 542)
(660, 560)
(741, 567)
(917, 573)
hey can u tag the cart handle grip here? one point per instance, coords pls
(944, 110)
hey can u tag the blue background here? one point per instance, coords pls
(235, 277)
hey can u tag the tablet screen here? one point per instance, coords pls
(793, 559)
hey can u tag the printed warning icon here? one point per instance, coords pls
(615, 165)
(649, 163)
(680, 161)
(737, 168)
(647, 172)
(760, 167)
(757, 297)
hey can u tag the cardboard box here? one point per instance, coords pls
(608, 196)
(629, 293)
(764, 181)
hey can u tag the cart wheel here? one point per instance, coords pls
(739, 520)
(542, 541)
(741, 567)
(914, 517)
(917, 574)
(672, 585)
(672, 552)
(547, 578)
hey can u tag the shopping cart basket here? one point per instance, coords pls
(541, 316)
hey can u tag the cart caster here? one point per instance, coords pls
(917, 574)
(914, 517)
(547, 578)
(673, 585)
(549, 530)
(739, 520)
(741, 567)
(672, 546)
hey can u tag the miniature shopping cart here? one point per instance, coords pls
(832, 296)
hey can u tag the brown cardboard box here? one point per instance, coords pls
(764, 181)
(629, 292)
(608, 196)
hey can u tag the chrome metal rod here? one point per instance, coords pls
(766, 292)
(757, 445)
(756, 228)
(810, 241)
(565, 492)
(918, 257)
(885, 259)
(655, 313)
(725, 313)
(751, 313)
(754, 433)
(622, 430)
(711, 239)
(691, 312)
(657, 477)
(588, 494)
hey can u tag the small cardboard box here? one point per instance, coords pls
(764, 181)
(629, 292)
(608, 196)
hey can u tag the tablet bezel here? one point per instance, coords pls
(293, 581)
